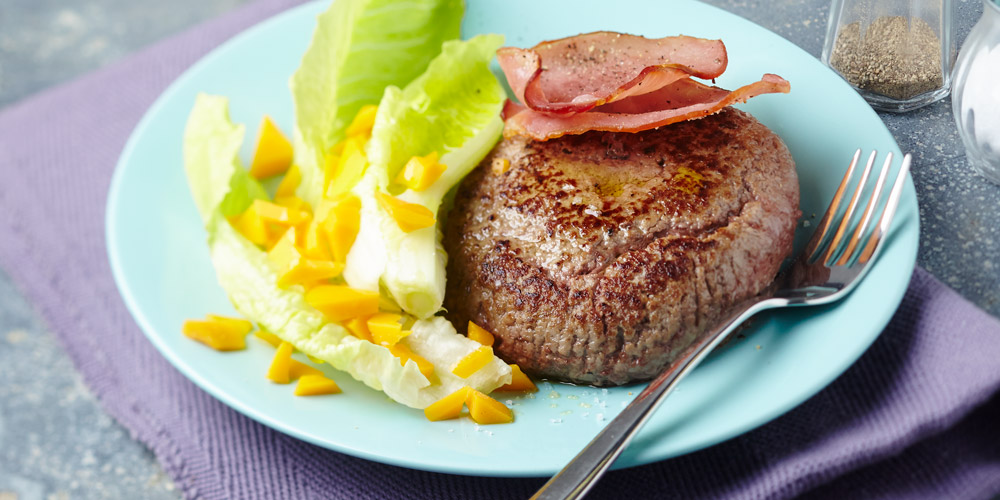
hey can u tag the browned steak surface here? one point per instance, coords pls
(596, 258)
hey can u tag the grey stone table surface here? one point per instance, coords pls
(56, 442)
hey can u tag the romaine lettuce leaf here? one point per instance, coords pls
(211, 146)
(211, 139)
(359, 48)
(453, 109)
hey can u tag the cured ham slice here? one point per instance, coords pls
(576, 74)
(681, 100)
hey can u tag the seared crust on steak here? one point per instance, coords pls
(597, 258)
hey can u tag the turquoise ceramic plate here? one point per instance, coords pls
(165, 276)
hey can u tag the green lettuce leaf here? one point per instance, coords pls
(217, 180)
(453, 109)
(359, 48)
(212, 163)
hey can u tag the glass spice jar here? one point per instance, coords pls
(976, 99)
(897, 54)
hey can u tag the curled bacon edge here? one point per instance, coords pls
(695, 100)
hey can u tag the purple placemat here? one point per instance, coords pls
(918, 416)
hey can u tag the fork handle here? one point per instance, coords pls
(576, 479)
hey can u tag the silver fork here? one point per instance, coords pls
(832, 263)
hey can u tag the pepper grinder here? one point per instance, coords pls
(976, 100)
(897, 54)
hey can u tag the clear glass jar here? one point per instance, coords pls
(897, 54)
(976, 100)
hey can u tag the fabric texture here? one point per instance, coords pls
(918, 416)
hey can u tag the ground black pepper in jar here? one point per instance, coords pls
(898, 55)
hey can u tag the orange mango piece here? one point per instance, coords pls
(480, 334)
(240, 325)
(293, 203)
(315, 385)
(409, 216)
(485, 410)
(359, 328)
(386, 329)
(315, 243)
(221, 334)
(363, 121)
(298, 369)
(273, 154)
(339, 303)
(404, 354)
(447, 407)
(268, 337)
(420, 172)
(341, 226)
(252, 226)
(293, 268)
(289, 183)
(281, 364)
(519, 382)
(351, 164)
(473, 361)
(279, 214)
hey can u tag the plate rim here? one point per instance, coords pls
(191, 373)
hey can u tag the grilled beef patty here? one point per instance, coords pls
(597, 258)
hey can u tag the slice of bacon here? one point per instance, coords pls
(682, 100)
(578, 73)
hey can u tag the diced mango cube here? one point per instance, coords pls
(447, 407)
(331, 163)
(485, 410)
(473, 361)
(341, 225)
(240, 325)
(363, 121)
(339, 303)
(358, 327)
(293, 203)
(480, 334)
(409, 216)
(225, 335)
(386, 329)
(279, 214)
(405, 354)
(519, 382)
(268, 337)
(252, 226)
(298, 369)
(284, 254)
(310, 271)
(290, 182)
(281, 364)
(348, 170)
(420, 172)
(315, 385)
(315, 245)
(500, 165)
(293, 268)
(273, 154)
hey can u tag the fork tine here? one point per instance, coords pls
(866, 218)
(845, 222)
(887, 213)
(815, 246)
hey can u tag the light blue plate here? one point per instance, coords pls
(161, 264)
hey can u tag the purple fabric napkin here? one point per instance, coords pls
(917, 416)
